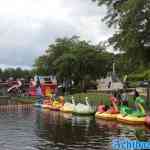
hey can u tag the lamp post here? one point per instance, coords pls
(113, 64)
(114, 67)
(148, 94)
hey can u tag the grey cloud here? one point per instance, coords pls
(23, 38)
(20, 46)
(83, 8)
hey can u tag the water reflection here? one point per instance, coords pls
(36, 129)
(70, 131)
(133, 132)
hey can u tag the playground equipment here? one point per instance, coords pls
(48, 85)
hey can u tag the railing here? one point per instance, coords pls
(15, 107)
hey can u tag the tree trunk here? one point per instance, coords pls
(83, 86)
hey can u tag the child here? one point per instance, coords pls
(124, 98)
(136, 94)
(101, 108)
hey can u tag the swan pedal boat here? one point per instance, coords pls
(55, 106)
(83, 113)
(106, 116)
(67, 108)
(45, 106)
(84, 109)
(129, 116)
(133, 120)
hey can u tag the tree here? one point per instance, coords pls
(16, 73)
(41, 65)
(73, 59)
(132, 18)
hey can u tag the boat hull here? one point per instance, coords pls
(131, 120)
(66, 110)
(106, 116)
(37, 105)
(45, 106)
(83, 113)
(54, 108)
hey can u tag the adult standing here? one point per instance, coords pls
(39, 93)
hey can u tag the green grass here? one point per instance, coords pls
(24, 100)
(95, 98)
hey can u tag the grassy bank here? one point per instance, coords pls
(95, 98)
(24, 100)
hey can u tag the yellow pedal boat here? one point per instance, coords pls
(131, 119)
(66, 109)
(56, 106)
(106, 116)
(45, 106)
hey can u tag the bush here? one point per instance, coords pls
(144, 75)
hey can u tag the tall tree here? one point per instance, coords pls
(73, 59)
(132, 18)
(16, 73)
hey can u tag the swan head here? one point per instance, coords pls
(73, 101)
(86, 100)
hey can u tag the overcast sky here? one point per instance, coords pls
(27, 27)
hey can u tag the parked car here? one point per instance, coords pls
(144, 83)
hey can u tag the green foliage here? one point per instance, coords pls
(41, 65)
(16, 73)
(139, 76)
(94, 98)
(132, 18)
(73, 59)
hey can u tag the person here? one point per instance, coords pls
(61, 100)
(56, 93)
(32, 83)
(39, 93)
(136, 94)
(117, 94)
(125, 83)
(114, 93)
(124, 98)
(114, 105)
(102, 108)
(48, 100)
(109, 84)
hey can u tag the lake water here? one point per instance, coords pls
(34, 129)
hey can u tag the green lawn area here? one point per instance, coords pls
(24, 100)
(94, 98)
